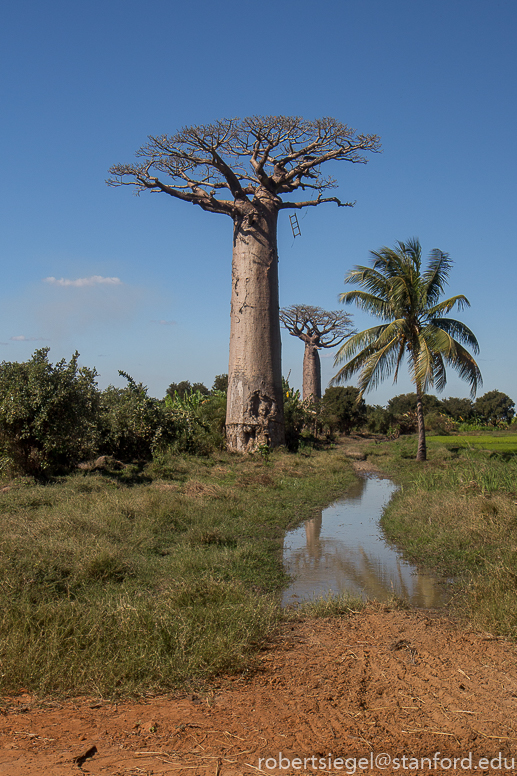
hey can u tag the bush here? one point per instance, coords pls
(134, 424)
(406, 403)
(495, 408)
(48, 414)
(220, 384)
(459, 409)
(184, 387)
(212, 413)
(439, 424)
(200, 421)
(299, 416)
(340, 410)
(379, 420)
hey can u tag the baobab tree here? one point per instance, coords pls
(242, 168)
(318, 329)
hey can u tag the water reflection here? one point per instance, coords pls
(343, 549)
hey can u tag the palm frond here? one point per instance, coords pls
(402, 350)
(360, 341)
(388, 262)
(436, 276)
(411, 252)
(435, 339)
(372, 281)
(447, 305)
(428, 366)
(352, 366)
(373, 364)
(458, 330)
(454, 354)
(466, 367)
(378, 366)
(374, 305)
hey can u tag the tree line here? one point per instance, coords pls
(54, 416)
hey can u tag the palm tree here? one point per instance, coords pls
(397, 291)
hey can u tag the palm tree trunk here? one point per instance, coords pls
(422, 449)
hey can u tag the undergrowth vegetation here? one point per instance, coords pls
(149, 577)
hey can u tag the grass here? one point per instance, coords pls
(152, 578)
(500, 443)
(117, 583)
(456, 514)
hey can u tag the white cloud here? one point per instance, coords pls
(63, 306)
(165, 323)
(22, 338)
(94, 280)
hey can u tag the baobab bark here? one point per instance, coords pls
(311, 386)
(255, 412)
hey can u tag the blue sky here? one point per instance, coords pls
(142, 284)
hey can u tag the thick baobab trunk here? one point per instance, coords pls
(255, 413)
(311, 372)
(421, 454)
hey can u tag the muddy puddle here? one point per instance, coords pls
(343, 549)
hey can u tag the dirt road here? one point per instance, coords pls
(408, 684)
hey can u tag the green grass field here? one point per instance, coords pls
(499, 443)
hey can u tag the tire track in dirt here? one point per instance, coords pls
(405, 683)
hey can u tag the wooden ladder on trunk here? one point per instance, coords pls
(295, 226)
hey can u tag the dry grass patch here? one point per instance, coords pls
(166, 486)
(196, 489)
(256, 479)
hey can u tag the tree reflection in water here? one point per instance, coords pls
(343, 549)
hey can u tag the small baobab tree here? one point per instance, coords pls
(243, 168)
(318, 329)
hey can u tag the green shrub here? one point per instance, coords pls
(379, 420)
(48, 414)
(458, 408)
(406, 403)
(200, 421)
(495, 408)
(220, 384)
(184, 387)
(134, 424)
(438, 423)
(300, 418)
(341, 411)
